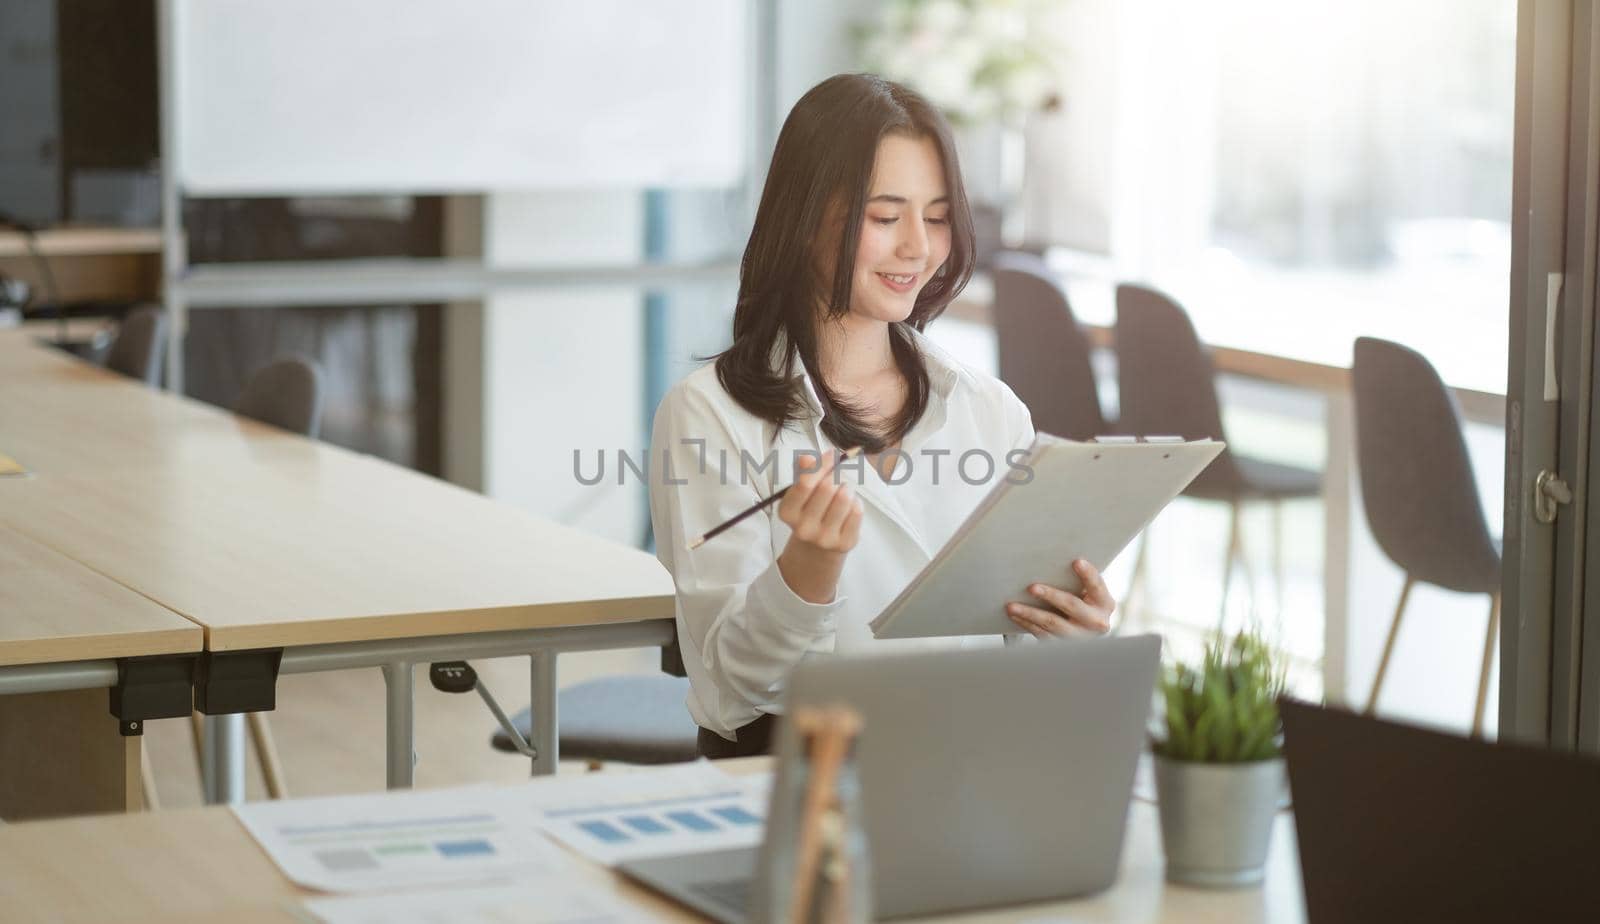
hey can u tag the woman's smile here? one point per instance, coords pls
(901, 283)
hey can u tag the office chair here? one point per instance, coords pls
(1044, 354)
(287, 394)
(1419, 492)
(635, 719)
(140, 346)
(1167, 386)
(1046, 358)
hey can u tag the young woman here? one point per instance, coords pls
(862, 237)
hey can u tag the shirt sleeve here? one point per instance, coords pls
(741, 628)
(1018, 421)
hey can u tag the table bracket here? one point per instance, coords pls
(237, 681)
(155, 687)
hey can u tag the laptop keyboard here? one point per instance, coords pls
(732, 894)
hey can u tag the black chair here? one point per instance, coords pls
(1419, 492)
(286, 394)
(1044, 354)
(140, 346)
(1167, 386)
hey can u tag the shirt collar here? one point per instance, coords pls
(944, 371)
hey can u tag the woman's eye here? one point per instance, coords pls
(885, 221)
(938, 221)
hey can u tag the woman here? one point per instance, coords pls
(862, 237)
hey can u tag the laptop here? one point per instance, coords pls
(1399, 823)
(988, 776)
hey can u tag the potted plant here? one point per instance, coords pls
(1219, 766)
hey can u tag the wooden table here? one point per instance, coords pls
(88, 262)
(201, 865)
(60, 623)
(268, 541)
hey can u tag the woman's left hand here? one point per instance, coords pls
(1064, 614)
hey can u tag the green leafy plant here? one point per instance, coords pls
(1224, 710)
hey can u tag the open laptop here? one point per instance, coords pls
(1398, 823)
(988, 776)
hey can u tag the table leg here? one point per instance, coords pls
(542, 667)
(223, 764)
(402, 757)
(60, 754)
(1339, 493)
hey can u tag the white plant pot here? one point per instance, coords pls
(1216, 819)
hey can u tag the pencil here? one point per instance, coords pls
(759, 505)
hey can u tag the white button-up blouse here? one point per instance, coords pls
(741, 629)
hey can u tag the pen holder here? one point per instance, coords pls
(824, 874)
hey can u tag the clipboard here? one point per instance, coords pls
(1083, 500)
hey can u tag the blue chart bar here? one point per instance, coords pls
(733, 814)
(605, 832)
(644, 824)
(475, 848)
(694, 821)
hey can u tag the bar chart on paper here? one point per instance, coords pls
(695, 809)
(398, 841)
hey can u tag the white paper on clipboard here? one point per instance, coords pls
(1085, 500)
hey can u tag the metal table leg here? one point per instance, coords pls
(542, 690)
(397, 681)
(222, 759)
(1339, 492)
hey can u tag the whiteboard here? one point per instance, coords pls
(366, 96)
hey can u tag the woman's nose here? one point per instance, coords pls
(913, 243)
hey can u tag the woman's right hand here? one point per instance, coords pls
(824, 520)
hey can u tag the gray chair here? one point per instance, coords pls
(286, 394)
(1044, 354)
(1167, 386)
(1419, 492)
(140, 346)
(636, 719)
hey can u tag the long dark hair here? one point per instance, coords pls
(824, 158)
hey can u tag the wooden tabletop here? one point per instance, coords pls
(268, 539)
(349, 549)
(201, 865)
(55, 609)
(67, 241)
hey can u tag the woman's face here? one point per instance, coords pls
(905, 229)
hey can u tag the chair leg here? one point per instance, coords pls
(1488, 662)
(267, 754)
(1233, 553)
(197, 736)
(1388, 646)
(147, 779)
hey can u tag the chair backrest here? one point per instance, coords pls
(287, 394)
(1416, 478)
(1044, 355)
(1166, 382)
(141, 345)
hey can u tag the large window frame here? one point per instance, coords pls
(1550, 679)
